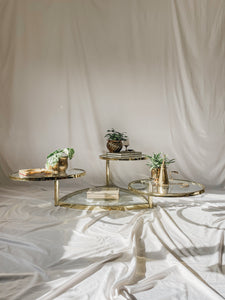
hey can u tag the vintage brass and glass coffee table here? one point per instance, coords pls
(69, 174)
(176, 188)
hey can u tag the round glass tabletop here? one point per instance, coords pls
(175, 188)
(73, 173)
(117, 156)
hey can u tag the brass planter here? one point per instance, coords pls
(60, 167)
(114, 146)
(155, 174)
(63, 164)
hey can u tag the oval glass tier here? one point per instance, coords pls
(175, 188)
(127, 200)
(73, 173)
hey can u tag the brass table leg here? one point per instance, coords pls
(56, 192)
(150, 201)
(107, 173)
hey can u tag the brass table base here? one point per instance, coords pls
(108, 159)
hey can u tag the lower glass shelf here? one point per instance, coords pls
(127, 201)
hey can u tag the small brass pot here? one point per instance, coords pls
(155, 174)
(114, 146)
(63, 164)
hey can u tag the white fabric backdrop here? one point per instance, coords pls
(70, 70)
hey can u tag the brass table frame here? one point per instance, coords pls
(107, 159)
(149, 195)
(55, 177)
(102, 206)
(109, 183)
(61, 201)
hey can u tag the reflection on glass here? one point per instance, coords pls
(163, 190)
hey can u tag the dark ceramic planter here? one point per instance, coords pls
(114, 146)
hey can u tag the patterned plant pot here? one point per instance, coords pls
(114, 146)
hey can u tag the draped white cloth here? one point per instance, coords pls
(173, 251)
(70, 70)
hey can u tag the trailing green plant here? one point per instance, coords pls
(114, 135)
(156, 160)
(53, 158)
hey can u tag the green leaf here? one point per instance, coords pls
(53, 158)
(156, 160)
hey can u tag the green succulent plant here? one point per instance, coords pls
(156, 160)
(114, 135)
(53, 158)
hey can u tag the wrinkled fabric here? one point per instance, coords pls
(173, 251)
(70, 70)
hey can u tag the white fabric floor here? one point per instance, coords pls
(174, 251)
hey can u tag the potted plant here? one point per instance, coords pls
(156, 161)
(58, 160)
(114, 140)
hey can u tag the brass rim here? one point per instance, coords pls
(184, 194)
(102, 156)
(52, 177)
(92, 207)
